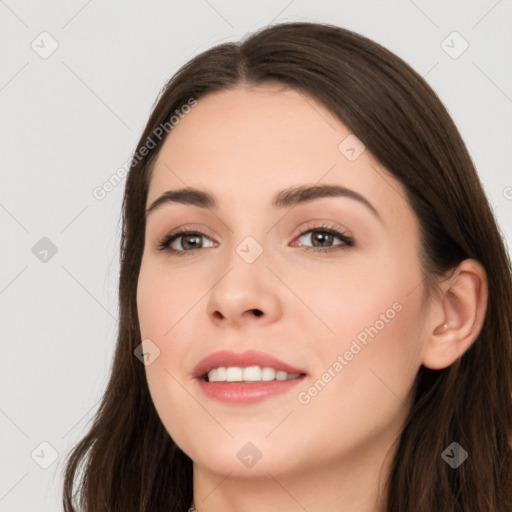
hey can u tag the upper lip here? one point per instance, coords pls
(228, 358)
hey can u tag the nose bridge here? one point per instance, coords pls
(245, 283)
(249, 249)
(246, 264)
(248, 231)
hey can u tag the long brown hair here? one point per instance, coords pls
(128, 460)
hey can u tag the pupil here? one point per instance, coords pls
(186, 239)
(323, 235)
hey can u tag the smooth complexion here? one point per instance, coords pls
(243, 147)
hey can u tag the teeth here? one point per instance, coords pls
(233, 374)
(268, 373)
(252, 374)
(248, 374)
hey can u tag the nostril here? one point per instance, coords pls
(257, 312)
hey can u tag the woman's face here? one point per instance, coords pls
(342, 310)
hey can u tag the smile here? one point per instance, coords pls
(245, 377)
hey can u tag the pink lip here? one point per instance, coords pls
(243, 393)
(248, 358)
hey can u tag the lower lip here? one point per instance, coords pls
(247, 392)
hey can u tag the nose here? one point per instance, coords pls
(245, 293)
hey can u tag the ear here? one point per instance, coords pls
(456, 316)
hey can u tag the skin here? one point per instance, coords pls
(332, 453)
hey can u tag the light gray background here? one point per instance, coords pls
(70, 120)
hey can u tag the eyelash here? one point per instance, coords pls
(164, 244)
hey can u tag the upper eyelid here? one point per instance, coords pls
(314, 224)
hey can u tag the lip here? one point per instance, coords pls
(244, 393)
(228, 358)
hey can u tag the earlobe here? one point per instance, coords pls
(458, 317)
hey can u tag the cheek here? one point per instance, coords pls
(161, 303)
(362, 383)
(370, 315)
(163, 298)
(353, 294)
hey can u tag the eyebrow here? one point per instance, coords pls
(283, 199)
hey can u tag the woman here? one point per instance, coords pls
(314, 295)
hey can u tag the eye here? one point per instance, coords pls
(184, 241)
(324, 236)
(190, 241)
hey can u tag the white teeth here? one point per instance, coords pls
(248, 374)
(268, 373)
(252, 373)
(234, 374)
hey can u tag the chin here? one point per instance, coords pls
(242, 457)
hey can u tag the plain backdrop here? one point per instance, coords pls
(77, 82)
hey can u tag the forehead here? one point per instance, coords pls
(246, 143)
(265, 124)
